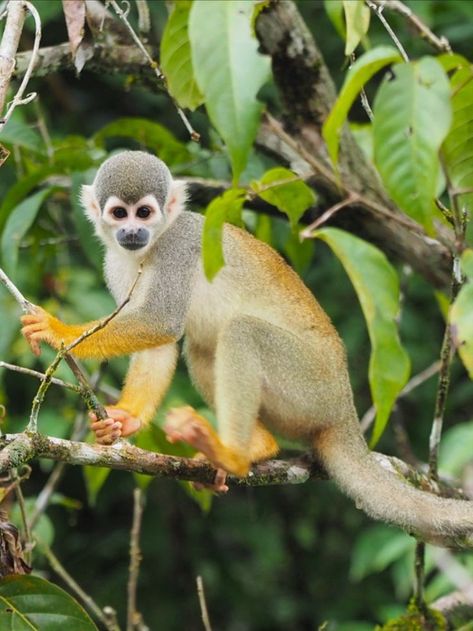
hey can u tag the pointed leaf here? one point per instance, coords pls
(229, 72)
(30, 603)
(225, 208)
(377, 287)
(150, 135)
(334, 11)
(412, 116)
(18, 224)
(357, 18)
(461, 315)
(360, 73)
(285, 190)
(458, 146)
(20, 134)
(176, 60)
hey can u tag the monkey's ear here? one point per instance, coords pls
(177, 197)
(90, 203)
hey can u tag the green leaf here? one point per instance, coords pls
(461, 315)
(357, 18)
(359, 74)
(89, 242)
(455, 449)
(229, 72)
(458, 146)
(18, 224)
(363, 134)
(412, 115)
(31, 603)
(176, 60)
(292, 196)
(377, 548)
(377, 287)
(225, 208)
(17, 132)
(148, 134)
(21, 189)
(94, 478)
(334, 10)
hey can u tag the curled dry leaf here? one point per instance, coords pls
(11, 552)
(75, 13)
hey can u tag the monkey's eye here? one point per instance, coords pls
(119, 213)
(143, 212)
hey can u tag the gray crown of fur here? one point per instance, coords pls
(130, 175)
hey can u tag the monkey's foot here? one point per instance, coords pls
(184, 424)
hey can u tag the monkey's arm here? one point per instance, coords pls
(128, 332)
(147, 381)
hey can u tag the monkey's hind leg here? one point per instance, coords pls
(185, 424)
(238, 380)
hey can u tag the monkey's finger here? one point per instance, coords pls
(105, 422)
(108, 439)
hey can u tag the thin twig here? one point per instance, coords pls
(28, 541)
(203, 605)
(144, 21)
(15, 14)
(378, 9)
(26, 305)
(440, 43)
(88, 601)
(41, 375)
(134, 619)
(307, 233)
(123, 15)
(19, 99)
(364, 97)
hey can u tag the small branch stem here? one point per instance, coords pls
(133, 616)
(440, 43)
(203, 605)
(378, 9)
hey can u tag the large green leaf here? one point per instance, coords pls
(362, 70)
(176, 60)
(357, 18)
(18, 224)
(377, 287)
(412, 115)
(292, 196)
(226, 207)
(229, 72)
(31, 603)
(461, 315)
(458, 146)
(149, 134)
(377, 548)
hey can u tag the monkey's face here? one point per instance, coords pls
(132, 226)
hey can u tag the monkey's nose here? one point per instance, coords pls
(132, 239)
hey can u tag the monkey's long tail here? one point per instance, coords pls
(385, 496)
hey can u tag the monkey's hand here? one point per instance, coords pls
(40, 326)
(119, 423)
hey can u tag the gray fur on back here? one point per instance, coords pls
(130, 175)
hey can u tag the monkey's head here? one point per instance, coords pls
(132, 200)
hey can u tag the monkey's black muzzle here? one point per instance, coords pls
(133, 239)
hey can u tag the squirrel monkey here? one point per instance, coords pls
(258, 346)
